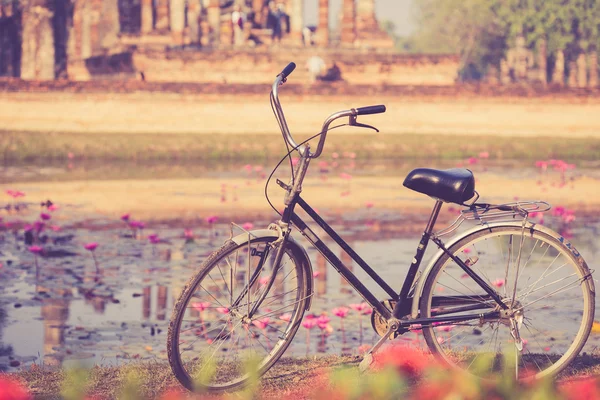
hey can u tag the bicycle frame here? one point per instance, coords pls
(402, 298)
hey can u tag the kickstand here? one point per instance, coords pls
(368, 358)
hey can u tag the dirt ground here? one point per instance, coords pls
(148, 112)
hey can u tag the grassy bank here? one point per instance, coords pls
(289, 378)
(42, 147)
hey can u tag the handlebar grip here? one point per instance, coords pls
(370, 110)
(288, 70)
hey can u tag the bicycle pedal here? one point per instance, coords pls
(366, 363)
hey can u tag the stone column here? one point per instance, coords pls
(348, 31)
(177, 16)
(365, 16)
(581, 70)
(593, 63)
(572, 78)
(37, 52)
(194, 21)
(542, 61)
(323, 27)
(146, 9)
(162, 15)
(214, 21)
(558, 77)
(296, 19)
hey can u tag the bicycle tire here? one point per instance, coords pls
(183, 369)
(558, 301)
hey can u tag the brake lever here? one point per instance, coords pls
(353, 122)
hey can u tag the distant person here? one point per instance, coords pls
(308, 36)
(238, 19)
(274, 23)
(333, 74)
(315, 66)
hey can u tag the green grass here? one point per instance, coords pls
(39, 148)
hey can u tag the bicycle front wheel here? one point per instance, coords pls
(543, 282)
(226, 325)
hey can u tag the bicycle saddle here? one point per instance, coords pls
(455, 185)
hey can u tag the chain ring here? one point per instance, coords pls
(379, 323)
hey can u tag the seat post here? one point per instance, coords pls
(434, 214)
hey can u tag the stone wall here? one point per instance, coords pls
(261, 66)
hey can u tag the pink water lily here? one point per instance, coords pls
(358, 307)
(369, 204)
(212, 219)
(15, 193)
(188, 234)
(223, 310)
(340, 311)
(484, 154)
(125, 217)
(309, 323)
(316, 274)
(264, 280)
(498, 282)
(261, 323)
(248, 225)
(346, 176)
(285, 317)
(323, 321)
(91, 246)
(201, 306)
(153, 238)
(53, 207)
(35, 249)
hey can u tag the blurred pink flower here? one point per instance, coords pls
(248, 225)
(35, 249)
(467, 250)
(212, 219)
(285, 317)
(322, 321)
(295, 161)
(264, 280)
(53, 207)
(472, 160)
(358, 307)
(316, 274)
(248, 167)
(261, 323)
(153, 238)
(335, 155)
(223, 310)
(188, 234)
(498, 282)
(341, 311)
(201, 306)
(367, 310)
(484, 154)
(346, 176)
(91, 246)
(55, 228)
(45, 216)
(39, 226)
(125, 217)
(309, 323)
(369, 204)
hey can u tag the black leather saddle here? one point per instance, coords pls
(455, 185)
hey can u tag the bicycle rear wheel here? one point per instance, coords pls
(214, 338)
(544, 282)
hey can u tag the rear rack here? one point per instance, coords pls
(484, 212)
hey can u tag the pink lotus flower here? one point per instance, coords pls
(367, 310)
(358, 307)
(15, 193)
(316, 274)
(335, 155)
(248, 167)
(153, 238)
(285, 317)
(472, 161)
(27, 227)
(498, 282)
(295, 161)
(261, 323)
(309, 323)
(543, 165)
(248, 225)
(223, 310)
(35, 249)
(91, 246)
(188, 234)
(484, 154)
(346, 176)
(341, 311)
(125, 217)
(264, 280)
(53, 207)
(55, 228)
(369, 204)
(39, 226)
(322, 321)
(137, 225)
(212, 219)
(467, 250)
(351, 155)
(45, 216)
(200, 306)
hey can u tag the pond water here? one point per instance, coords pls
(55, 309)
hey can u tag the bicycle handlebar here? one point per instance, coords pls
(279, 80)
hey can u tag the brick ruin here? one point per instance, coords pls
(195, 41)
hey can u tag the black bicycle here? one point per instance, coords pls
(505, 287)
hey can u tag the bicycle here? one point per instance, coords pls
(248, 298)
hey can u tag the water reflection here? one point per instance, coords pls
(66, 311)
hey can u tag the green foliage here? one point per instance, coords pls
(74, 385)
(479, 30)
